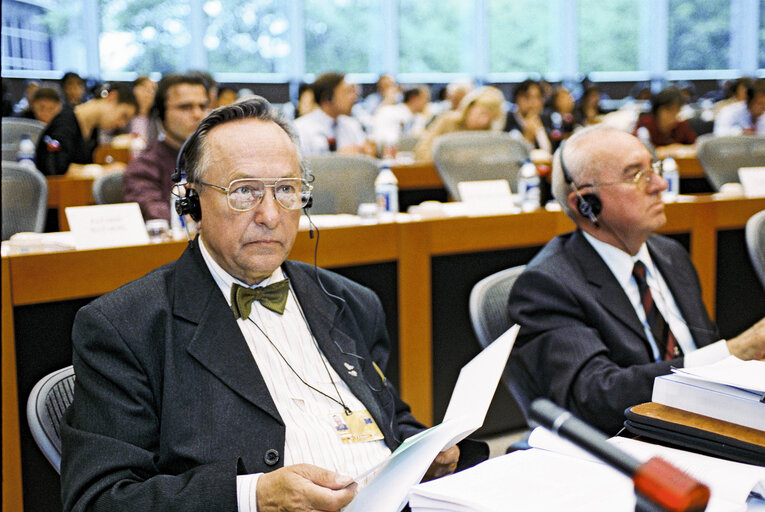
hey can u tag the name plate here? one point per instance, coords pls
(106, 225)
(485, 191)
(753, 181)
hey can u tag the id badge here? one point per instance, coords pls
(357, 427)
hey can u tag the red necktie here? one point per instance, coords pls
(665, 340)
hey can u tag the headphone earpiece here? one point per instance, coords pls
(309, 203)
(589, 206)
(189, 205)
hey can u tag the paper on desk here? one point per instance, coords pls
(466, 412)
(731, 371)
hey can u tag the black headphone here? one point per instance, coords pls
(188, 204)
(588, 205)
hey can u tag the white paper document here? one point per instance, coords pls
(472, 395)
(557, 475)
(731, 371)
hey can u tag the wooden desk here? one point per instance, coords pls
(413, 245)
(689, 167)
(66, 191)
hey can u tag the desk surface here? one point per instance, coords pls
(78, 274)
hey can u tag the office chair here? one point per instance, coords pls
(107, 189)
(24, 199)
(342, 182)
(721, 157)
(488, 314)
(474, 156)
(13, 129)
(755, 243)
(46, 405)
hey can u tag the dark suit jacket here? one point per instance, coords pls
(169, 404)
(581, 343)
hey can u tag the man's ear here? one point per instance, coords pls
(572, 199)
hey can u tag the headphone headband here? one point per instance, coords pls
(588, 205)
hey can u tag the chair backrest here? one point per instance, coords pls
(489, 316)
(45, 407)
(107, 189)
(721, 157)
(14, 128)
(408, 142)
(474, 156)
(24, 199)
(342, 182)
(755, 242)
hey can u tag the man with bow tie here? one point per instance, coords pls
(215, 382)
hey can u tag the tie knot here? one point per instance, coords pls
(639, 270)
(273, 297)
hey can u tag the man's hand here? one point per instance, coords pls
(750, 344)
(444, 464)
(302, 488)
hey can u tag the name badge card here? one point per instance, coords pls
(753, 181)
(107, 225)
(485, 191)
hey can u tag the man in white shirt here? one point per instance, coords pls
(744, 117)
(607, 308)
(330, 127)
(407, 118)
(216, 382)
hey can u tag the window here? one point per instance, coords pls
(608, 35)
(144, 36)
(699, 34)
(434, 37)
(761, 63)
(26, 41)
(341, 35)
(519, 36)
(247, 37)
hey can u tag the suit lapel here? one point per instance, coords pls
(217, 342)
(605, 288)
(322, 315)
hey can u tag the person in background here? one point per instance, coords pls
(306, 100)
(732, 92)
(559, 120)
(744, 117)
(480, 110)
(330, 127)
(588, 111)
(68, 141)
(25, 102)
(74, 89)
(144, 89)
(45, 105)
(192, 395)
(607, 308)
(226, 96)
(179, 105)
(386, 92)
(668, 134)
(406, 118)
(525, 120)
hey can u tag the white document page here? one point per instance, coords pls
(467, 410)
(731, 371)
(106, 225)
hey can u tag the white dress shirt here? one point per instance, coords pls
(735, 118)
(316, 128)
(621, 264)
(310, 435)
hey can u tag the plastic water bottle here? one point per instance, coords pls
(26, 153)
(672, 177)
(528, 186)
(386, 193)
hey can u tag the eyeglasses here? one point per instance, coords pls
(642, 179)
(245, 194)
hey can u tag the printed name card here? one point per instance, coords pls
(753, 181)
(107, 225)
(485, 191)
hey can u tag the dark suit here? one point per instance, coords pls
(581, 343)
(169, 404)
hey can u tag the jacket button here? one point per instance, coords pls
(271, 457)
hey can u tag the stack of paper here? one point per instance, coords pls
(556, 475)
(470, 401)
(730, 390)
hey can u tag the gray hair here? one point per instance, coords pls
(582, 164)
(195, 159)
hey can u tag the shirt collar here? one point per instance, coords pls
(619, 262)
(224, 280)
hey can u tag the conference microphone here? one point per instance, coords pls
(656, 480)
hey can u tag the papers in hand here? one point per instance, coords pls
(476, 384)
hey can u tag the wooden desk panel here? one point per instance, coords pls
(66, 191)
(40, 278)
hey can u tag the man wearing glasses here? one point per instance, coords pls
(214, 382)
(605, 309)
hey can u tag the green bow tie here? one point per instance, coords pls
(273, 297)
